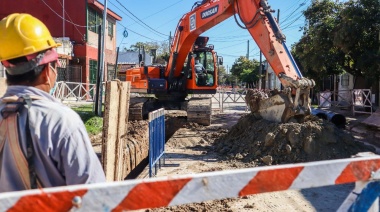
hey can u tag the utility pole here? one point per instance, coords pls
(378, 96)
(278, 22)
(63, 17)
(170, 39)
(101, 62)
(247, 49)
(260, 70)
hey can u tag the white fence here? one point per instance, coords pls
(359, 100)
(75, 91)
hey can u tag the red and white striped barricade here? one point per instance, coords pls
(176, 190)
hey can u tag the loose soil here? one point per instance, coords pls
(261, 142)
(240, 140)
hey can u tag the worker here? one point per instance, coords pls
(200, 72)
(198, 66)
(43, 143)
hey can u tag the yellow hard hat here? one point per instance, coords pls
(22, 35)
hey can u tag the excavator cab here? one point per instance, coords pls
(203, 69)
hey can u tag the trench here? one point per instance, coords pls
(172, 124)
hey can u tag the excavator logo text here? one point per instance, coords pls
(210, 12)
(193, 23)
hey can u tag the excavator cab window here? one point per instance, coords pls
(204, 68)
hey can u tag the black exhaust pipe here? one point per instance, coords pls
(338, 119)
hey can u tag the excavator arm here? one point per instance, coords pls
(256, 16)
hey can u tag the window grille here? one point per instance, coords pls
(345, 80)
(94, 19)
(110, 29)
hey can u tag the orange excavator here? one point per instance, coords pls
(193, 66)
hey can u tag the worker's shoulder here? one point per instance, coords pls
(54, 109)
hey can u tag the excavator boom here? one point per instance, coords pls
(256, 17)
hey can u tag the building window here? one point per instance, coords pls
(93, 71)
(94, 20)
(110, 29)
(110, 71)
(345, 80)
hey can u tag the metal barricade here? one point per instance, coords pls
(227, 99)
(361, 98)
(336, 98)
(235, 97)
(76, 91)
(156, 140)
(324, 99)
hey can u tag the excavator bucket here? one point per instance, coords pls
(276, 106)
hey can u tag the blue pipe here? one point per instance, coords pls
(338, 119)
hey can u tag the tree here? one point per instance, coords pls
(222, 75)
(162, 54)
(246, 70)
(340, 37)
(315, 52)
(357, 35)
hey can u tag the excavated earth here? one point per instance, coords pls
(261, 142)
(240, 140)
(250, 142)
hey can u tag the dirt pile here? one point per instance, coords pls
(261, 142)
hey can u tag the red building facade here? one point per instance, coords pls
(76, 22)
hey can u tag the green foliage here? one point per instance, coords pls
(163, 58)
(222, 75)
(357, 35)
(93, 123)
(162, 49)
(340, 37)
(246, 70)
(315, 52)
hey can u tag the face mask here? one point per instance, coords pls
(52, 89)
(196, 61)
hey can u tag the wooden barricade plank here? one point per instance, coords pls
(124, 91)
(115, 128)
(111, 107)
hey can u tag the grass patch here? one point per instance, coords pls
(93, 123)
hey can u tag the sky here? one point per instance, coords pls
(154, 20)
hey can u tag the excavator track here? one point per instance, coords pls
(199, 111)
(139, 107)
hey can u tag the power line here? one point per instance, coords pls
(162, 9)
(226, 47)
(229, 40)
(294, 20)
(291, 14)
(138, 33)
(70, 19)
(77, 25)
(292, 6)
(139, 19)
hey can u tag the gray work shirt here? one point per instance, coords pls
(63, 154)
